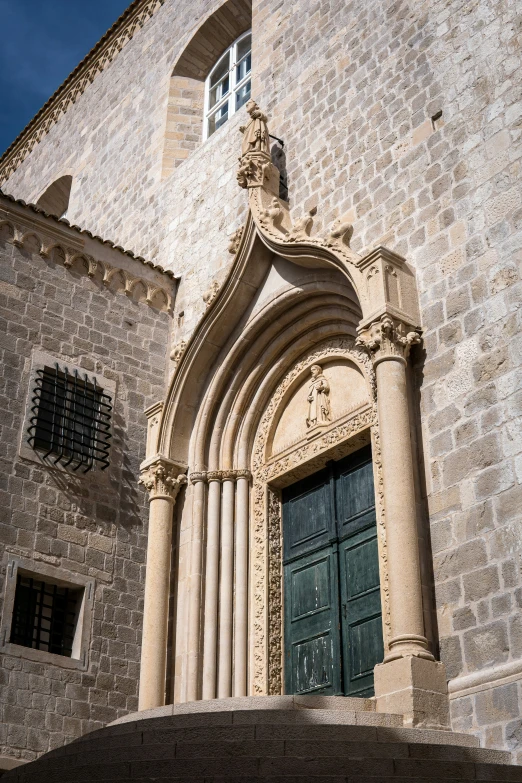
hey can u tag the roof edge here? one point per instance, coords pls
(103, 53)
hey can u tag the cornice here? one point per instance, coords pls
(103, 53)
(56, 239)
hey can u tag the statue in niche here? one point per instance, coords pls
(319, 411)
(255, 133)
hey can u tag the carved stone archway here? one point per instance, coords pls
(265, 321)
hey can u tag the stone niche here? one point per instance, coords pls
(348, 391)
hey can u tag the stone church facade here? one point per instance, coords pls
(262, 416)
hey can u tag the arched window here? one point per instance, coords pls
(227, 86)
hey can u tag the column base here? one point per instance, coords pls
(415, 688)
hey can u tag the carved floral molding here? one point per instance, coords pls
(161, 478)
(75, 85)
(266, 532)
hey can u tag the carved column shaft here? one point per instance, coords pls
(226, 587)
(241, 584)
(211, 586)
(163, 481)
(195, 586)
(388, 342)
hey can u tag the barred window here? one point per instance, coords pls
(227, 86)
(70, 420)
(45, 615)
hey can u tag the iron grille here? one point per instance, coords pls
(44, 615)
(71, 419)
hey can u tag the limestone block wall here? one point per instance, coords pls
(356, 90)
(405, 118)
(92, 526)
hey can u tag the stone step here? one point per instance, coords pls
(81, 754)
(268, 767)
(274, 745)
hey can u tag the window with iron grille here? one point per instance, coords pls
(45, 615)
(70, 420)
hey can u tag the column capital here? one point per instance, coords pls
(197, 475)
(162, 478)
(214, 475)
(387, 338)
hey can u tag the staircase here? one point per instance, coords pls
(279, 738)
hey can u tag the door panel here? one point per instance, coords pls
(308, 518)
(361, 611)
(354, 492)
(312, 641)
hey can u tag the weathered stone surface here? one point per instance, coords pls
(353, 89)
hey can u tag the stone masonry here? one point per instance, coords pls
(406, 119)
(92, 525)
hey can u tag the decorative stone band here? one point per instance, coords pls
(56, 244)
(162, 479)
(388, 338)
(220, 475)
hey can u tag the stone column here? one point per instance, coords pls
(226, 585)
(194, 615)
(241, 583)
(211, 586)
(163, 479)
(409, 670)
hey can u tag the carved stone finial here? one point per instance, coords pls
(388, 338)
(340, 233)
(210, 295)
(273, 213)
(255, 164)
(319, 410)
(178, 351)
(301, 228)
(235, 239)
(162, 478)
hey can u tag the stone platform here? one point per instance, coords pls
(280, 738)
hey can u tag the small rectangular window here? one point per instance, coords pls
(70, 419)
(45, 615)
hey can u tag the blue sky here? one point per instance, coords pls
(42, 42)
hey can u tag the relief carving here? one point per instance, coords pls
(341, 232)
(275, 594)
(178, 351)
(319, 410)
(388, 338)
(210, 295)
(162, 479)
(235, 239)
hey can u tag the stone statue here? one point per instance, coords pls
(319, 411)
(255, 133)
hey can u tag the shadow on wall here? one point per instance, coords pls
(55, 200)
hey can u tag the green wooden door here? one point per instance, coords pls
(332, 612)
(311, 585)
(361, 620)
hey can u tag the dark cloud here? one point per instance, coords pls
(42, 42)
